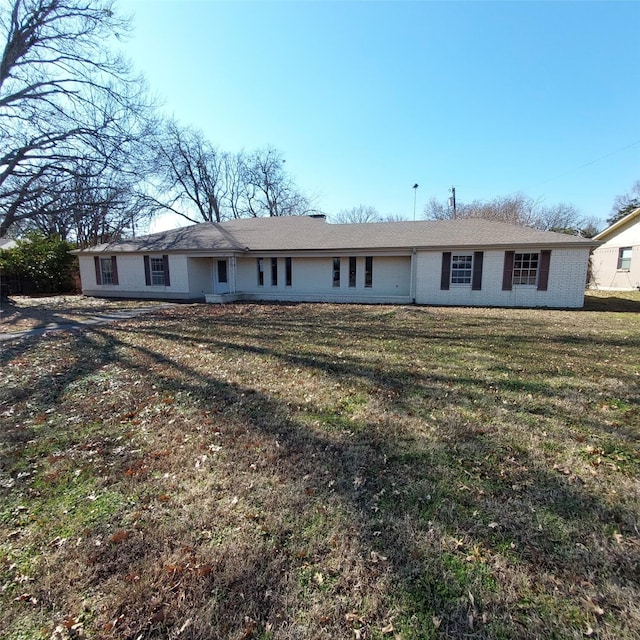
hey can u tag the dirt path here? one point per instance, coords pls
(23, 315)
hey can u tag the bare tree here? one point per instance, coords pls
(516, 209)
(437, 210)
(357, 215)
(393, 217)
(624, 204)
(268, 189)
(200, 182)
(92, 209)
(66, 103)
(191, 174)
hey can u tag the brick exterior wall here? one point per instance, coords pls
(567, 280)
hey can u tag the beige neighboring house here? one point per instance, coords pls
(615, 264)
(469, 262)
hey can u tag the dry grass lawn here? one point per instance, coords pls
(324, 471)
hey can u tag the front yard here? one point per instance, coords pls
(324, 471)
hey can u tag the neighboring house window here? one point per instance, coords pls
(274, 272)
(525, 268)
(156, 271)
(461, 269)
(624, 258)
(368, 272)
(352, 271)
(336, 272)
(287, 272)
(106, 270)
(260, 263)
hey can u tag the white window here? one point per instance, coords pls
(157, 271)
(624, 258)
(525, 268)
(461, 268)
(106, 271)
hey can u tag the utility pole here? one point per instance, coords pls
(452, 200)
(415, 193)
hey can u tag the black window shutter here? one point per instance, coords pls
(543, 270)
(147, 271)
(507, 272)
(476, 282)
(96, 262)
(165, 265)
(114, 269)
(445, 275)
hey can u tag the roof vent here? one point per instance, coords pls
(318, 216)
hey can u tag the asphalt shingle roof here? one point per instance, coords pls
(306, 233)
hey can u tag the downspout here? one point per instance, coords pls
(412, 283)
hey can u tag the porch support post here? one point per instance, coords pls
(232, 274)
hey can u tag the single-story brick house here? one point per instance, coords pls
(451, 262)
(615, 264)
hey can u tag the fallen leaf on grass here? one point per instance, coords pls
(353, 617)
(250, 625)
(110, 626)
(593, 607)
(26, 597)
(119, 536)
(204, 570)
(376, 557)
(174, 568)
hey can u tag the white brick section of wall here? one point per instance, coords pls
(131, 279)
(312, 279)
(567, 281)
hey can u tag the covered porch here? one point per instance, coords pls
(212, 277)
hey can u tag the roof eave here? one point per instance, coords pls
(617, 225)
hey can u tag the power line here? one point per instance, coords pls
(586, 164)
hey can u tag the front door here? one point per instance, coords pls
(222, 277)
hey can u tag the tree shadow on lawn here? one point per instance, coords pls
(405, 387)
(541, 514)
(434, 518)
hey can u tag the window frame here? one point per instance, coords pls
(156, 271)
(274, 272)
(160, 273)
(353, 272)
(288, 272)
(260, 268)
(624, 261)
(368, 272)
(456, 277)
(336, 272)
(526, 269)
(106, 270)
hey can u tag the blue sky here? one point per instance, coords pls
(364, 99)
